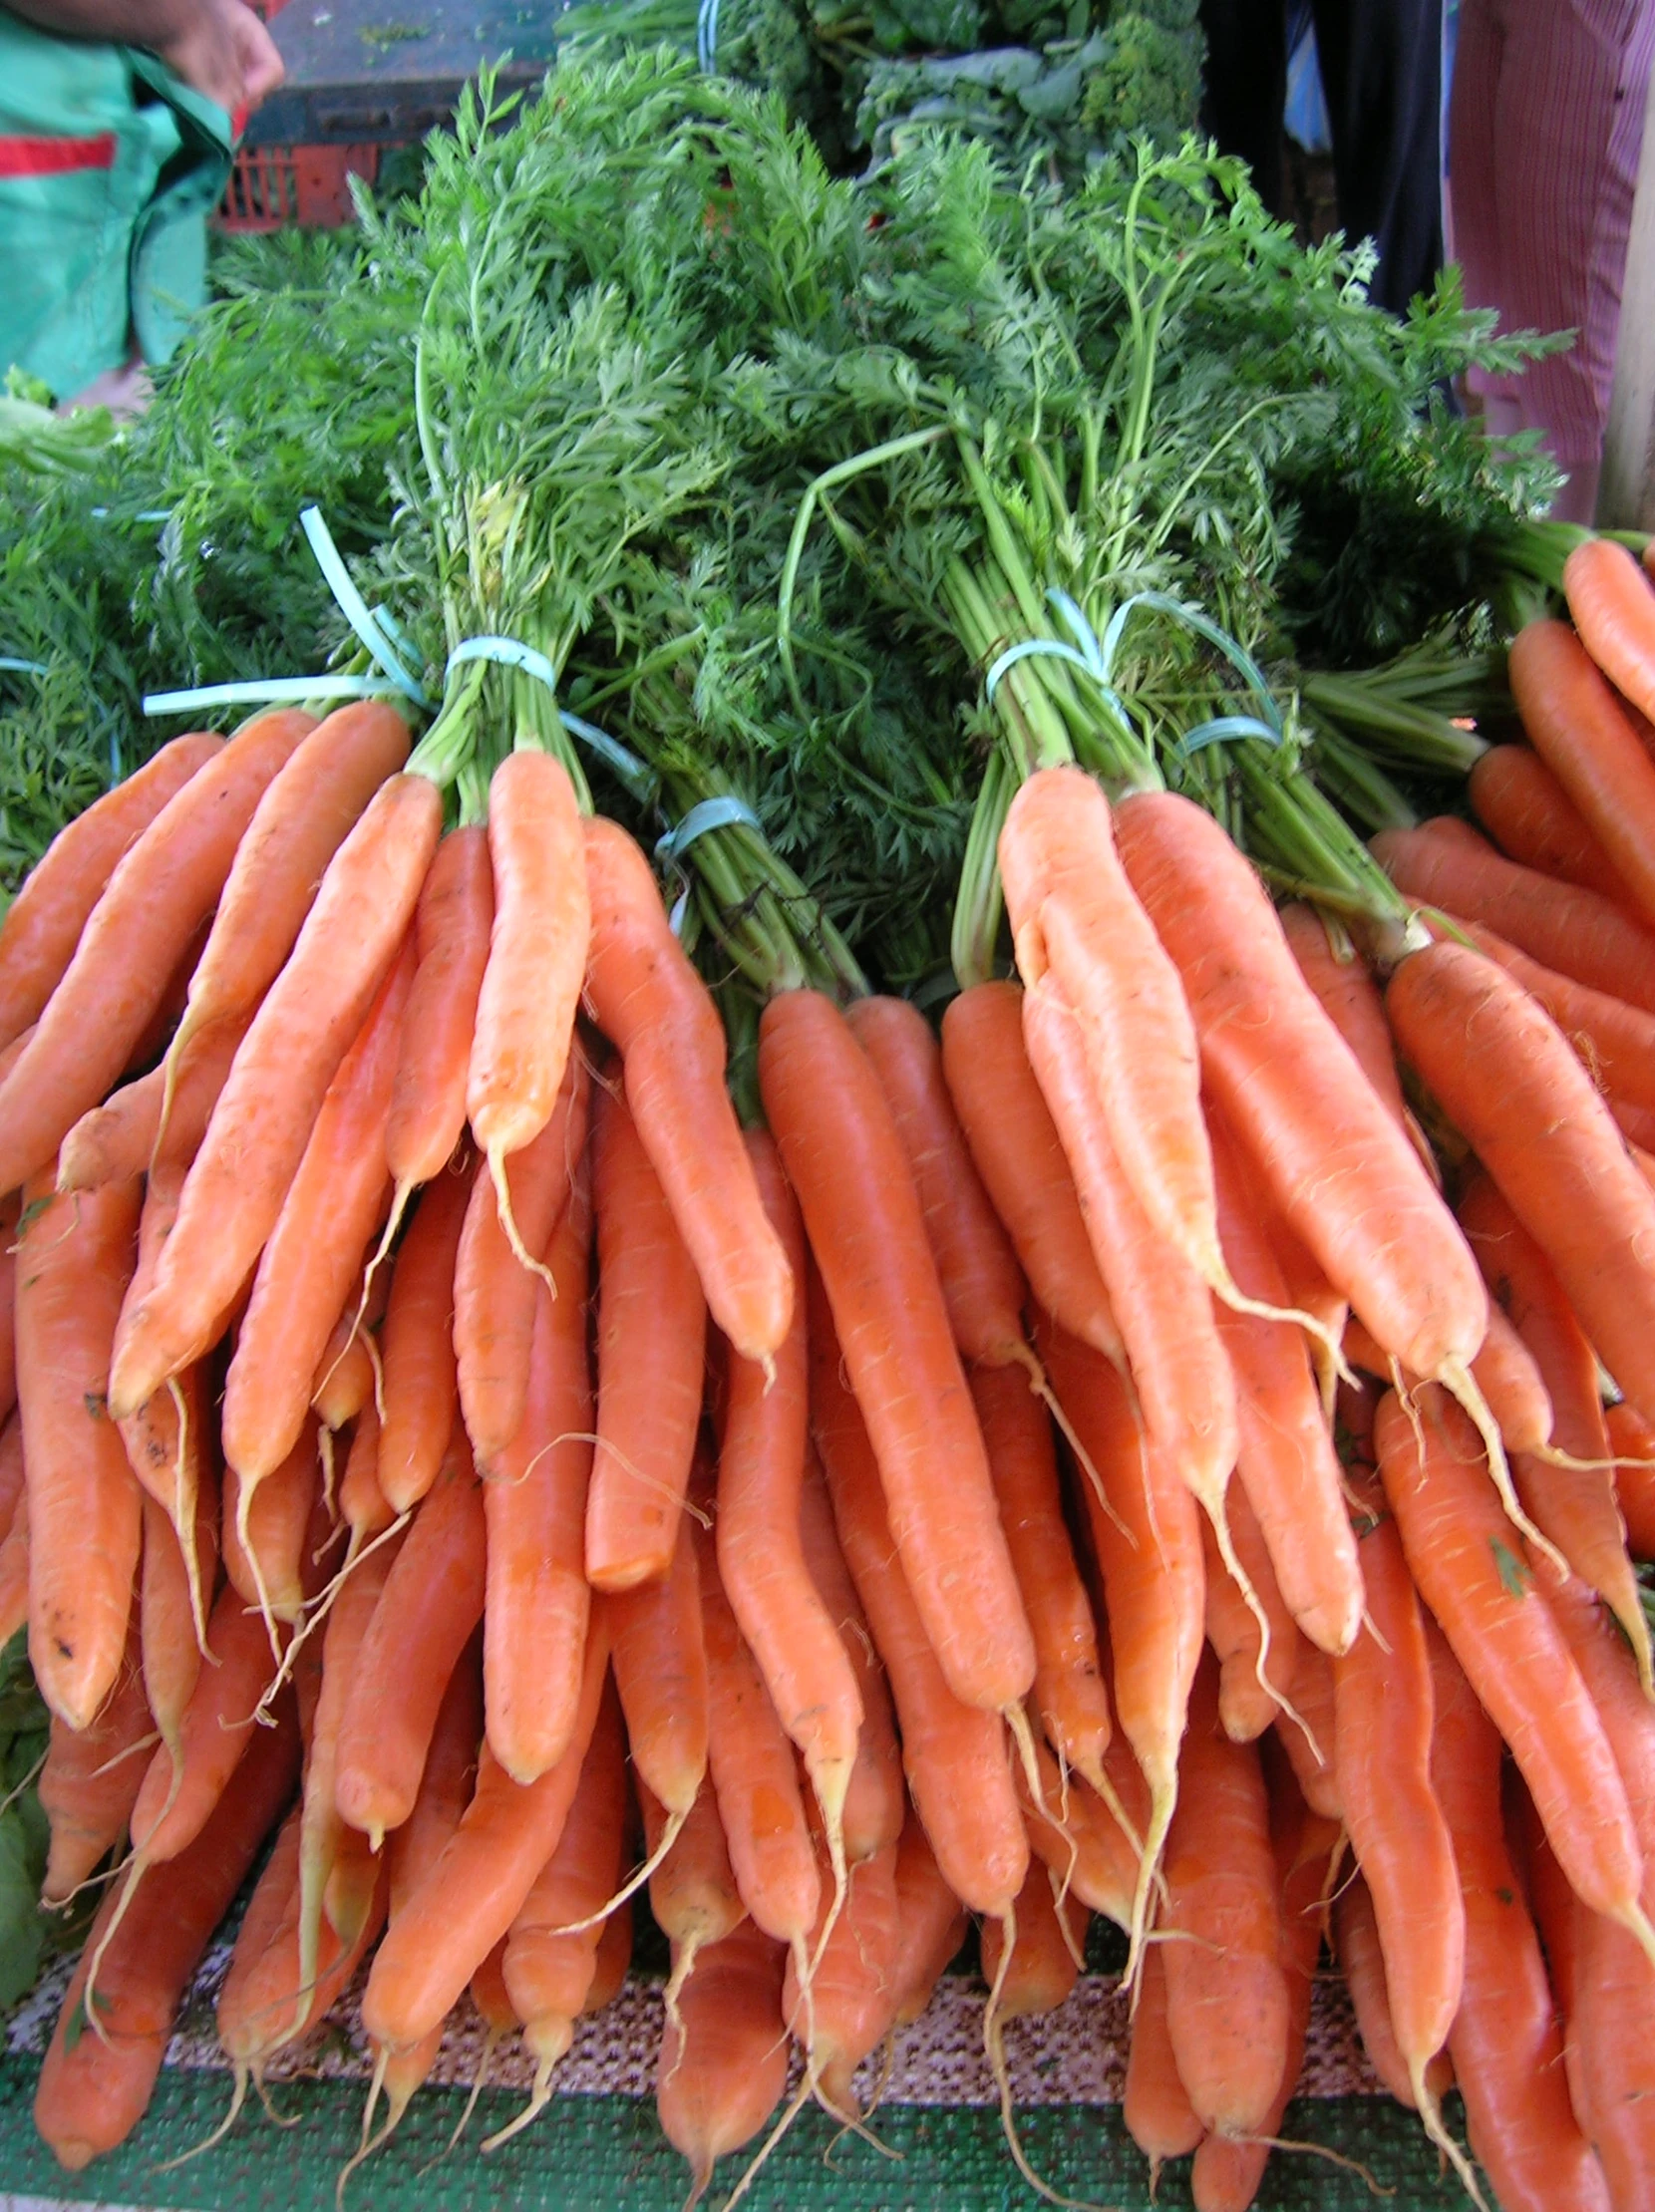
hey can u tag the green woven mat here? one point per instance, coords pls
(607, 2153)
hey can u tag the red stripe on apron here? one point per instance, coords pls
(56, 156)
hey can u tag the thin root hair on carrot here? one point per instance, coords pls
(262, 2089)
(1071, 1942)
(243, 2075)
(144, 1744)
(1224, 1287)
(539, 2097)
(135, 1866)
(634, 1881)
(790, 2112)
(1431, 2114)
(1294, 2146)
(366, 2145)
(508, 1220)
(1029, 1360)
(1255, 1606)
(994, 2046)
(641, 1475)
(490, 2041)
(1461, 1384)
(322, 1604)
(183, 1523)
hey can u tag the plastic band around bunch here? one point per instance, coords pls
(706, 36)
(1222, 727)
(507, 652)
(23, 668)
(722, 813)
(273, 691)
(1237, 656)
(1085, 654)
(369, 625)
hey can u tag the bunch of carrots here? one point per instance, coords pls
(1103, 1459)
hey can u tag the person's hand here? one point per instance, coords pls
(222, 48)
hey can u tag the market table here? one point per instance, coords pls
(598, 2143)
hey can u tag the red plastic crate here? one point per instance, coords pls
(272, 186)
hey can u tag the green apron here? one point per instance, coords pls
(109, 169)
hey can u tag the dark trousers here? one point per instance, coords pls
(1382, 67)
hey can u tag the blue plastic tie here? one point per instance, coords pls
(722, 812)
(368, 624)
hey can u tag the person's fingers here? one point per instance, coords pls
(262, 68)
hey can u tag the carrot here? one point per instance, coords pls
(1227, 1995)
(1085, 943)
(1309, 1747)
(845, 1159)
(422, 1380)
(536, 958)
(363, 1505)
(11, 1209)
(1633, 1438)
(1507, 1642)
(1625, 1711)
(1155, 2105)
(91, 1780)
(303, 816)
(1573, 1505)
(954, 1755)
(118, 1138)
(850, 2006)
(755, 1777)
(494, 1292)
(1578, 933)
(1069, 1691)
(1180, 1367)
(1534, 820)
(84, 1520)
(661, 1674)
(322, 1833)
(1029, 1960)
(760, 1557)
(1577, 727)
(315, 1248)
(1509, 1082)
(612, 1962)
(263, 1544)
(1148, 1547)
(1614, 2023)
(724, 2060)
(1349, 997)
(153, 904)
(43, 924)
(536, 1602)
(691, 1892)
(433, 1600)
(1226, 2175)
(267, 2000)
(931, 1924)
(445, 1789)
(1383, 1717)
(233, 1194)
(1343, 1173)
(14, 1573)
(450, 933)
(167, 1604)
(651, 1356)
(94, 2088)
(654, 1008)
(982, 1284)
(1090, 1848)
(473, 1894)
(1614, 611)
(1251, 1692)
(548, 1966)
(1016, 1149)
(1288, 1469)
(12, 1470)
(350, 1370)
(875, 1797)
(1616, 1041)
(1361, 1960)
